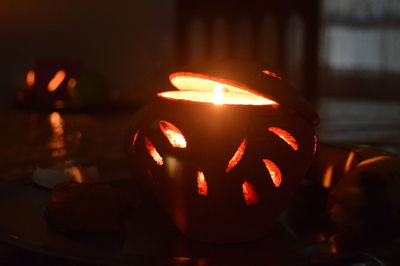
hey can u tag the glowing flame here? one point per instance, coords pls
(374, 159)
(218, 94)
(249, 193)
(135, 137)
(286, 136)
(272, 74)
(274, 172)
(30, 78)
(349, 161)
(327, 179)
(202, 187)
(237, 156)
(201, 88)
(56, 81)
(153, 152)
(173, 134)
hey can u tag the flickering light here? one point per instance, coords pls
(200, 88)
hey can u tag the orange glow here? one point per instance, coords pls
(71, 83)
(56, 123)
(349, 162)
(274, 172)
(135, 137)
(57, 141)
(286, 136)
(200, 88)
(237, 156)
(56, 81)
(249, 193)
(153, 152)
(327, 179)
(272, 74)
(202, 187)
(315, 144)
(374, 159)
(30, 78)
(218, 94)
(173, 134)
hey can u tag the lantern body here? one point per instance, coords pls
(222, 172)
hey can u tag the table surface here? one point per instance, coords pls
(31, 139)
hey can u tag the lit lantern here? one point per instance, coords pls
(224, 153)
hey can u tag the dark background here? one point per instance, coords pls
(132, 43)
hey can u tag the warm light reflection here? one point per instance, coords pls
(202, 187)
(272, 74)
(286, 136)
(71, 83)
(75, 173)
(349, 162)
(237, 156)
(200, 88)
(153, 152)
(218, 94)
(374, 159)
(30, 78)
(56, 81)
(57, 140)
(134, 138)
(173, 134)
(249, 193)
(56, 122)
(274, 172)
(327, 178)
(315, 144)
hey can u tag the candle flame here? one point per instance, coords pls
(56, 81)
(218, 93)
